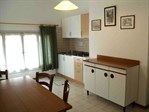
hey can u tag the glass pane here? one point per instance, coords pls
(31, 51)
(2, 60)
(14, 53)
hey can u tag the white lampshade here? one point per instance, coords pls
(66, 5)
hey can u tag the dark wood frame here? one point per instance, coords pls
(129, 27)
(49, 76)
(4, 73)
(66, 91)
(98, 23)
(114, 16)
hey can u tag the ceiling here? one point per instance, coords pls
(37, 11)
(82, 4)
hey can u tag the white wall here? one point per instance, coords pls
(148, 59)
(130, 43)
(20, 11)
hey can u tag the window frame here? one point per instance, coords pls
(3, 34)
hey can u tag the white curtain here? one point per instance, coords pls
(31, 51)
(14, 52)
(21, 52)
(2, 59)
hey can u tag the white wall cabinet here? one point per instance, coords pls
(71, 27)
(75, 26)
(66, 65)
(66, 27)
(117, 85)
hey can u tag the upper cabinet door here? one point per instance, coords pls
(85, 25)
(66, 27)
(75, 26)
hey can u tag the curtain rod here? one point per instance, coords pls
(29, 24)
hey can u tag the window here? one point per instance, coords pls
(31, 51)
(21, 52)
(2, 59)
(14, 53)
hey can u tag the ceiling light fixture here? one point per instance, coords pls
(66, 5)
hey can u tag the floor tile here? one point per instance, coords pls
(81, 102)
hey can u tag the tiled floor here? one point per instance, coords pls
(81, 102)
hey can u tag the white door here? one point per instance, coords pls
(117, 83)
(89, 78)
(102, 83)
(61, 64)
(76, 26)
(69, 66)
(66, 27)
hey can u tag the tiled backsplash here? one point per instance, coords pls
(79, 44)
(62, 43)
(65, 44)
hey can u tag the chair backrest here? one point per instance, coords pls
(66, 91)
(4, 73)
(45, 75)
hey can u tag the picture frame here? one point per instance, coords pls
(127, 22)
(96, 25)
(110, 16)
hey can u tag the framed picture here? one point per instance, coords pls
(96, 25)
(110, 16)
(127, 22)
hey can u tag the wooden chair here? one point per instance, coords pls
(66, 91)
(4, 73)
(43, 75)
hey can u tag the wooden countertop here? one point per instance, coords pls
(113, 62)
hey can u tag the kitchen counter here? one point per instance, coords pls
(113, 62)
(113, 78)
(75, 53)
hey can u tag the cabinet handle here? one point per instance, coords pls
(105, 74)
(92, 71)
(112, 76)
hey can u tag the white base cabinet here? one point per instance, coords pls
(66, 65)
(117, 88)
(61, 63)
(69, 66)
(89, 78)
(102, 83)
(111, 86)
(117, 85)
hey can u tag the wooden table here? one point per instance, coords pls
(23, 94)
